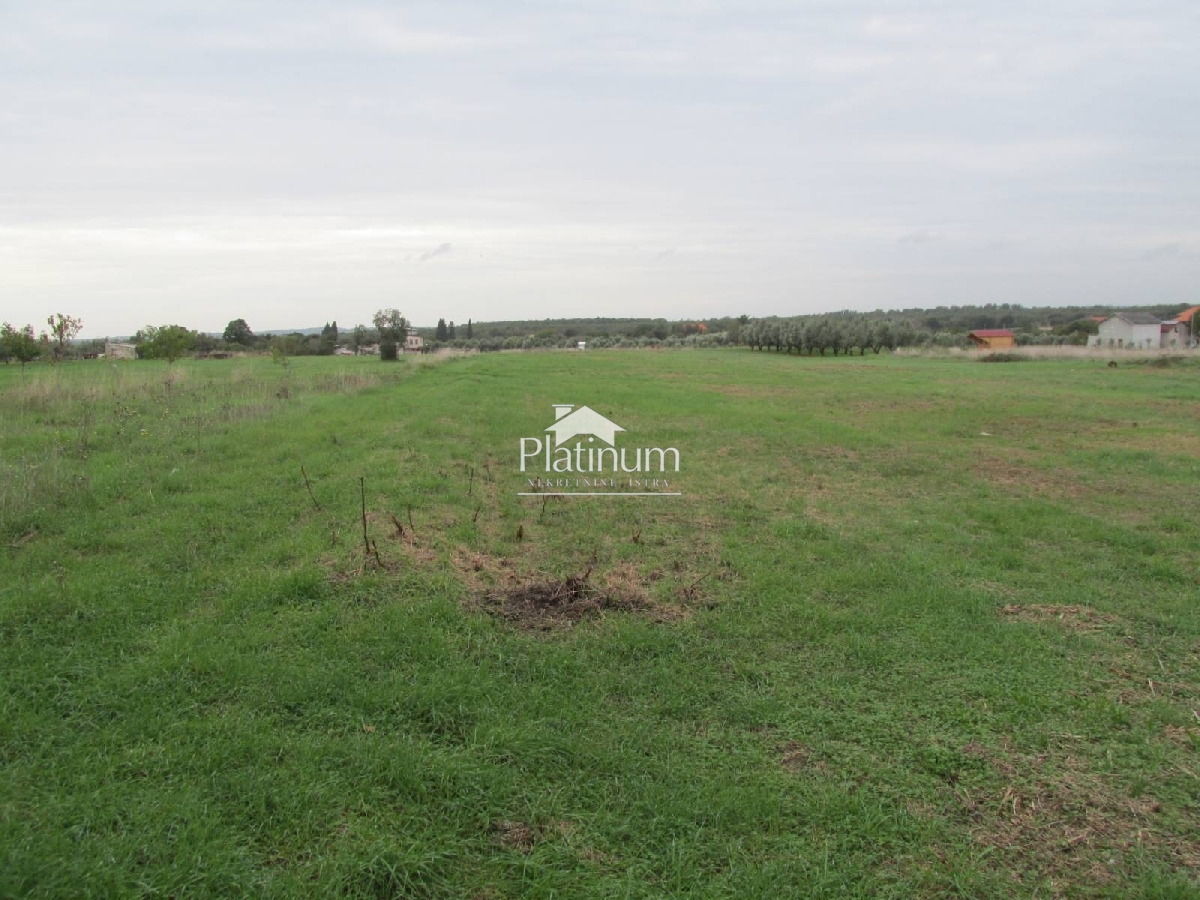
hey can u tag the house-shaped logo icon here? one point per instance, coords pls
(583, 421)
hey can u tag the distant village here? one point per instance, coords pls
(1007, 326)
(1123, 330)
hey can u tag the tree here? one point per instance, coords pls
(882, 336)
(392, 328)
(905, 335)
(20, 344)
(450, 331)
(819, 336)
(238, 332)
(358, 338)
(470, 331)
(329, 339)
(167, 342)
(63, 330)
(442, 335)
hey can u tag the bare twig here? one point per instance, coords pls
(311, 495)
(690, 590)
(362, 489)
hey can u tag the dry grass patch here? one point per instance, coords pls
(540, 602)
(1057, 820)
(552, 603)
(1077, 618)
(1014, 477)
(796, 758)
(514, 836)
(522, 837)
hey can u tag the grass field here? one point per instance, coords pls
(917, 628)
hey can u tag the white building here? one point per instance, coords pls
(119, 350)
(1136, 330)
(413, 343)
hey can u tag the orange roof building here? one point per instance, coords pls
(992, 338)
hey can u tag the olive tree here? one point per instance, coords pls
(393, 329)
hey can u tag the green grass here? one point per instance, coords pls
(916, 628)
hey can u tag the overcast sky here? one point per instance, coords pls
(295, 162)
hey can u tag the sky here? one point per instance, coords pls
(292, 163)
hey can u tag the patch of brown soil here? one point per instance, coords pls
(1078, 618)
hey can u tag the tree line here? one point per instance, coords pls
(832, 333)
(822, 334)
(20, 344)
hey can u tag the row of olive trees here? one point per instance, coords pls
(839, 334)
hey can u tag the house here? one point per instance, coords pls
(1173, 335)
(993, 338)
(413, 343)
(1189, 319)
(119, 350)
(583, 421)
(1139, 330)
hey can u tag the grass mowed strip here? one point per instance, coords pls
(915, 628)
